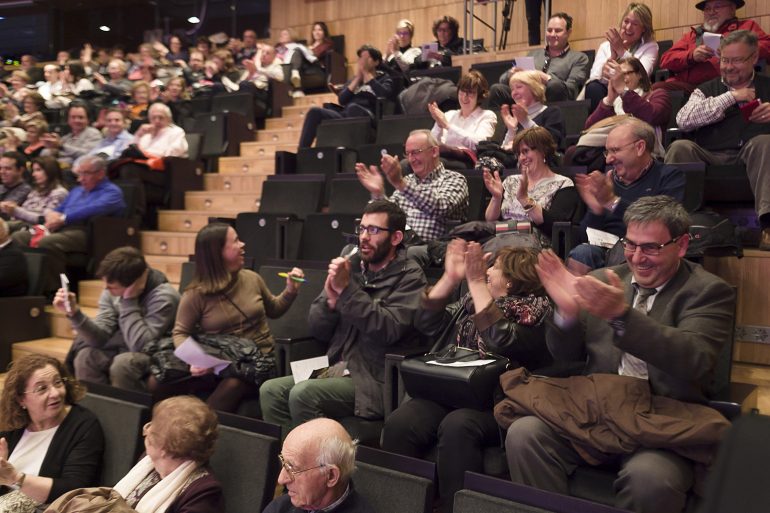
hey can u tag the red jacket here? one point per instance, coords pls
(683, 68)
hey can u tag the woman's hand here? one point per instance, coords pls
(475, 263)
(607, 73)
(144, 129)
(508, 118)
(437, 115)
(493, 184)
(522, 193)
(8, 207)
(454, 260)
(520, 113)
(292, 285)
(200, 371)
(617, 45)
(617, 80)
(8, 474)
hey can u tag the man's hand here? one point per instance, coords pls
(339, 271)
(135, 290)
(596, 190)
(8, 207)
(199, 371)
(702, 53)
(54, 220)
(60, 299)
(761, 114)
(559, 283)
(391, 167)
(603, 300)
(744, 95)
(371, 179)
(331, 295)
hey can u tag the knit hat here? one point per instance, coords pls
(702, 5)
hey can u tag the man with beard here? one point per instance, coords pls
(631, 174)
(724, 130)
(367, 308)
(690, 61)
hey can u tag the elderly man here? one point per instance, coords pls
(563, 70)
(116, 137)
(632, 173)
(690, 61)
(725, 130)
(431, 196)
(367, 307)
(317, 462)
(13, 265)
(95, 196)
(12, 185)
(357, 98)
(138, 305)
(658, 318)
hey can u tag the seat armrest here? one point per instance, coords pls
(564, 237)
(394, 390)
(289, 350)
(285, 162)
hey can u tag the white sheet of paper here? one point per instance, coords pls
(525, 63)
(600, 238)
(302, 369)
(428, 47)
(471, 363)
(192, 353)
(712, 40)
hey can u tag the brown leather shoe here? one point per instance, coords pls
(764, 240)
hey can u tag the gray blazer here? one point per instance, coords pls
(680, 337)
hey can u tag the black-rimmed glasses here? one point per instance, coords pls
(648, 248)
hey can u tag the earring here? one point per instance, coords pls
(508, 285)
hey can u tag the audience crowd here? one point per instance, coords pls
(631, 317)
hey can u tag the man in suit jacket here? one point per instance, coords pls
(658, 318)
(13, 265)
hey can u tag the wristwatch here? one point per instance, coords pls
(529, 206)
(19, 483)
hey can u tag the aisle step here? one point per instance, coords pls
(89, 292)
(61, 326)
(186, 220)
(280, 135)
(170, 265)
(168, 243)
(314, 100)
(240, 182)
(55, 347)
(286, 122)
(224, 201)
(265, 149)
(241, 165)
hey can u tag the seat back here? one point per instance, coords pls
(324, 235)
(492, 70)
(299, 194)
(212, 126)
(575, 113)
(345, 132)
(245, 461)
(269, 235)
(396, 129)
(240, 102)
(391, 482)
(477, 195)
(122, 423)
(451, 73)
(194, 145)
(347, 195)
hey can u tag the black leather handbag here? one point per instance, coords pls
(456, 387)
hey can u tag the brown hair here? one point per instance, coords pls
(518, 266)
(186, 428)
(123, 265)
(474, 81)
(12, 415)
(50, 167)
(211, 275)
(537, 138)
(454, 26)
(638, 68)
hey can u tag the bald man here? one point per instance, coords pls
(317, 462)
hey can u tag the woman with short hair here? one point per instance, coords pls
(48, 443)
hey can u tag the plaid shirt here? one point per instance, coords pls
(430, 203)
(701, 110)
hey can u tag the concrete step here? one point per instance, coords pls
(169, 265)
(240, 165)
(314, 100)
(186, 220)
(285, 122)
(61, 326)
(265, 149)
(55, 347)
(279, 135)
(168, 243)
(243, 182)
(224, 201)
(89, 292)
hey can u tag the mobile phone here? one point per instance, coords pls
(65, 284)
(748, 108)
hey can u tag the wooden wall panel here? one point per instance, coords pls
(372, 21)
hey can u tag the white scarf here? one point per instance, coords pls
(159, 497)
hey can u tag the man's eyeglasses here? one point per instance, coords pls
(412, 153)
(44, 388)
(613, 151)
(371, 229)
(648, 248)
(736, 60)
(293, 472)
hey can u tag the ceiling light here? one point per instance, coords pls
(193, 19)
(104, 28)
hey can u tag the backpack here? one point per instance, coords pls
(713, 233)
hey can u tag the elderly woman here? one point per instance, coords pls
(46, 195)
(48, 444)
(634, 38)
(503, 313)
(537, 195)
(116, 84)
(399, 52)
(34, 145)
(160, 137)
(459, 131)
(226, 306)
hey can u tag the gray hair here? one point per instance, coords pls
(663, 209)
(640, 130)
(740, 36)
(432, 141)
(339, 452)
(162, 108)
(93, 162)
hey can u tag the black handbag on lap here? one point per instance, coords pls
(456, 387)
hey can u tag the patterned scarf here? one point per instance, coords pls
(528, 310)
